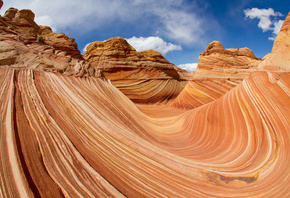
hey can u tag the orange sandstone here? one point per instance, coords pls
(144, 77)
(76, 135)
(279, 58)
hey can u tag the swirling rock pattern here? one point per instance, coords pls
(144, 77)
(279, 57)
(217, 62)
(24, 44)
(199, 91)
(81, 137)
(77, 135)
(219, 70)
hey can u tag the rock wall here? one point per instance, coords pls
(24, 44)
(64, 136)
(219, 70)
(217, 62)
(279, 58)
(144, 77)
(76, 135)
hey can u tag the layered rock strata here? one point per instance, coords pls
(80, 137)
(200, 91)
(219, 70)
(216, 61)
(24, 44)
(144, 77)
(279, 58)
(70, 136)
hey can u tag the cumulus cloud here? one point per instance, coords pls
(155, 43)
(266, 23)
(85, 48)
(277, 26)
(190, 67)
(171, 18)
(46, 20)
(176, 19)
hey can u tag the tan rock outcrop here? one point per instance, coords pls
(226, 63)
(71, 136)
(219, 70)
(81, 137)
(144, 77)
(116, 54)
(24, 44)
(279, 57)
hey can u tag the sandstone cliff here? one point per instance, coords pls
(279, 57)
(80, 137)
(219, 70)
(116, 54)
(142, 76)
(145, 77)
(24, 44)
(70, 136)
(226, 63)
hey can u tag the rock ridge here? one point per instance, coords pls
(116, 54)
(279, 58)
(216, 61)
(24, 44)
(144, 77)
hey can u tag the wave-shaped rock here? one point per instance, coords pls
(144, 77)
(200, 91)
(71, 136)
(80, 137)
(217, 62)
(219, 70)
(24, 44)
(279, 59)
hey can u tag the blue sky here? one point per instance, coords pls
(179, 29)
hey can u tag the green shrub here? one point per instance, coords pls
(40, 39)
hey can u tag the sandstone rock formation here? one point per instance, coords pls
(24, 44)
(144, 77)
(80, 137)
(116, 54)
(226, 63)
(279, 57)
(70, 136)
(219, 70)
(200, 91)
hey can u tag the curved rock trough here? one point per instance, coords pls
(68, 131)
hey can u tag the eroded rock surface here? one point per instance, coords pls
(279, 58)
(24, 44)
(144, 77)
(218, 62)
(79, 136)
(218, 71)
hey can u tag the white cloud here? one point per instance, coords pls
(276, 29)
(85, 48)
(45, 20)
(176, 20)
(155, 43)
(277, 26)
(182, 26)
(190, 67)
(265, 21)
